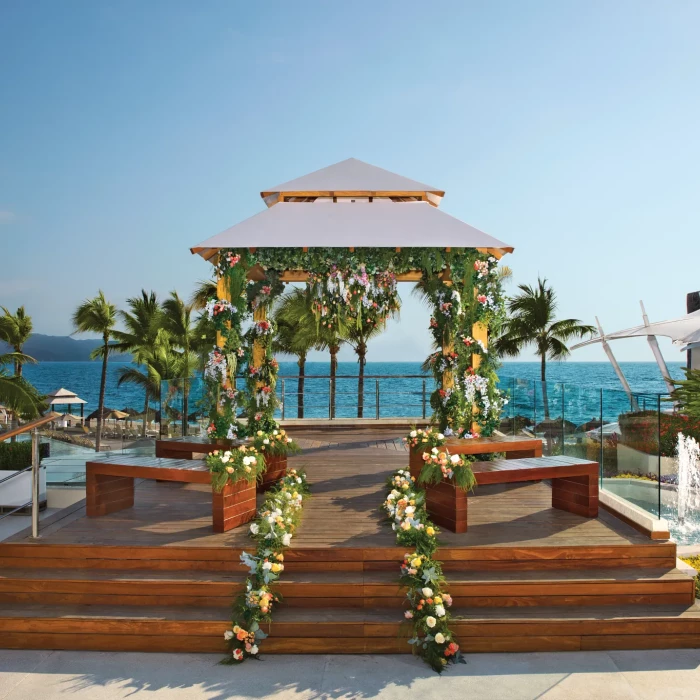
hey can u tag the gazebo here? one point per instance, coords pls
(351, 231)
(65, 397)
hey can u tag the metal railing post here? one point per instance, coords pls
(35, 483)
(376, 382)
(424, 399)
(283, 399)
(330, 399)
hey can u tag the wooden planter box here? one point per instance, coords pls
(446, 504)
(234, 506)
(275, 469)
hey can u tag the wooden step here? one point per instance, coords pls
(342, 631)
(347, 589)
(176, 558)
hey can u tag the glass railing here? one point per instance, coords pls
(629, 435)
(314, 396)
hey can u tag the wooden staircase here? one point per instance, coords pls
(344, 600)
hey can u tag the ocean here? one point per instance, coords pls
(398, 385)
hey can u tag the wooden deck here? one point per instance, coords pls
(525, 577)
(347, 477)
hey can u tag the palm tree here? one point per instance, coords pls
(15, 330)
(296, 334)
(205, 290)
(97, 315)
(331, 339)
(142, 324)
(178, 321)
(160, 363)
(16, 393)
(358, 337)
(533, 322)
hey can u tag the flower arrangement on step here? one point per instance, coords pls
(231, 466)
(421, 574)
(276, 443)
(273, 530)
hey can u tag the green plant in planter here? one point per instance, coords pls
(231, 466)
(439, 465)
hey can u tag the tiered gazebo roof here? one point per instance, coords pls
(352, 204)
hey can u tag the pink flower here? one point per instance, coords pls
(238, 654)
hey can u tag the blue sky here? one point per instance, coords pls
(130, 131)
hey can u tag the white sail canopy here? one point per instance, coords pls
(683, 331)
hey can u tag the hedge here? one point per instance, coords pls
(18, 455)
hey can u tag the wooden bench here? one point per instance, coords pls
(574, 486)
(110, 487)
(514, 447)
(189, 447)
(192, 448)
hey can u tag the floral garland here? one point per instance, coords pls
(232, 466)
(473, 296)
(273, 530)
(359, 286)
(421, 573)
(341, 295)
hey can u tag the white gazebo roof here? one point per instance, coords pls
(352, 175)
(63, 396)
(381, 223)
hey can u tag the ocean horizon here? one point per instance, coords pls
(83, 378)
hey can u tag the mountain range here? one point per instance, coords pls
(60, 348)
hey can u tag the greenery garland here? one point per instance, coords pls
(273, 530)
(359, 286)
(421, 573)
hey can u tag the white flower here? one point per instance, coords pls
(255, 528)
(266, 441)
(225, 458)
(286, 539)
(254, 649)
(413, 433)
(430, 621)
(440, 638)
(228, 635)
(266, 566)
(440, 611)
(427, 592)
(455, 459)
(410, 510)
(441, 436)
(274, 432)
(434, 450)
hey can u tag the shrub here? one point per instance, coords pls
(646, 432)
(18, 455)
(695, 563)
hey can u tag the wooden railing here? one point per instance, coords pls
(37, 423)
(33, 427)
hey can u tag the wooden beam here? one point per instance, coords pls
(421, 194)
